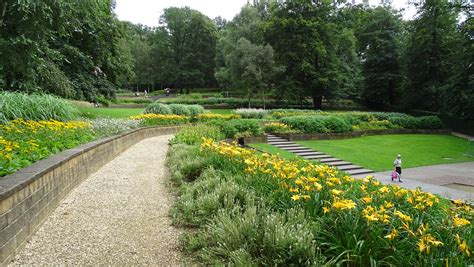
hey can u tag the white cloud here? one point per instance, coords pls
(148, 12)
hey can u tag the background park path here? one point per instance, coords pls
(118, 216)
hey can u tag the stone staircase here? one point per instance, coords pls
(310, 154)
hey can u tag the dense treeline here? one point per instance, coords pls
(299, 50)
(65, 47)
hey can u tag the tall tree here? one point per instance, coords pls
(379, 48)
(458, 92)
(251, 68)
(303, 36)
(428, 57)
(193, 37)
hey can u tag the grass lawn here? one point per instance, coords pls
(274, 150)
(91, 112)
(379, 152)
(220, 111)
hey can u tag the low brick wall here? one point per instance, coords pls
(28, 196)
(329, 136)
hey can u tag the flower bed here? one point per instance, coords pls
(159, 119)
(340, 220)
(24, 142)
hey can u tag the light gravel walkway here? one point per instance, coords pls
(118, 216)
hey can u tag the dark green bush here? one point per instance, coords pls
(409, 122)
(337, 124)
(430, 122)
(238, 127)
(306, 124)
(158, 108)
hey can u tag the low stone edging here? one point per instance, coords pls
(28, 196)
(329, 136)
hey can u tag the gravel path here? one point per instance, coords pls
(118, 216)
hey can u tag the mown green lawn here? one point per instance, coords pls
(91, 112)
(379, 152)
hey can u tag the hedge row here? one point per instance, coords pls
(341, 123)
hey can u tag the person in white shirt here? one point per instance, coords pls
(398, 167)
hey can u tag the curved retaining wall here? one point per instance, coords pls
(28, 196)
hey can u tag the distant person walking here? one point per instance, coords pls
(398, 167)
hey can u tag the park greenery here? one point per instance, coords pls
(296, 52)
(282, 63)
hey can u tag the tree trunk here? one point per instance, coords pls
(317, 101)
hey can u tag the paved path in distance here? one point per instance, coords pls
(435, 178)
(118, 216)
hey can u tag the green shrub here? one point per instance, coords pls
(306, 124)
(238, 127)
(158, 108)
(35, 107)
(192, 135)
(375, 125)
(337, 124)
(251, 113)
(179, 109)
(430, 122)
(185, 163)
(259, 236)
(212, 191)
(196, 110)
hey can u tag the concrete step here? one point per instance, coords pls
(303, 149)
(280, 143)
(359, 171)
(272, 136)
(349, 167)
(317, 157)
(339, 163)
(308, 153)
(289, 146)
(277, 140)
(330, 160)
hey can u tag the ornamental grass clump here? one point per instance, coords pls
(24, 142)
(361, 221)
(251, 113)
(158, 108)
(35, 107)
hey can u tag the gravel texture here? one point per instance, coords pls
(118, 216)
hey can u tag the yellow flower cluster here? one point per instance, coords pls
(159, 116)
(391, 207)
(211, 116)
(277, 125)
(23, 142)
(20, 125)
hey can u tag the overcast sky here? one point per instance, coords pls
(147, 12)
